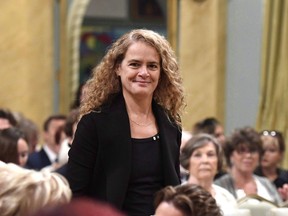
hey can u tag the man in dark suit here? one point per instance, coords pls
(48, 154)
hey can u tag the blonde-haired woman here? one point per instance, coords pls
(126, 145)
(23, 191)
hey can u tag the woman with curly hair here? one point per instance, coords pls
(186, 200)
(126, 145)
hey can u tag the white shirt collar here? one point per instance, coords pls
(51, 154)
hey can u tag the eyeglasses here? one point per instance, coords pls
(270, 133)
(242, 151)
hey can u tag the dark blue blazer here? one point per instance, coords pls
(100, 158)
(38, 160)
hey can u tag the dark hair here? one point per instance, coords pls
(190, 199)
(78, 95)
(67, 128)
(198, 141)
(51, 118)
(246, 136)
(207, 125)
(72, 118)
(6, 114)
(9, 144)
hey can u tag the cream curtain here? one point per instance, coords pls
(273, 107)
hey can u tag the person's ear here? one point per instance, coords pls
(117, 70)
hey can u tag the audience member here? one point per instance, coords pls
(127, 143)
(7, 119)
(243, 151)
(69, 130)
(14, 148)
(23, 191)
(185, 200)
(48, 155)
(186, 135)
(210, 126)
(81, 207)
(202, 157)
(31, 133)
(213, 127)
(80, 94)
(273, 153)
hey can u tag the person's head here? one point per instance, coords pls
(80, 94)
(202, 157)
(71, 124)
(24, 191)
(7, 119)
(31, 133)
(185, 200)
(14, 148)
(243, 149)
(273, 148)
(141, 62)
(210, 126)
(51, 126)
(80, 207)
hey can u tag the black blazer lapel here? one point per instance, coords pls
(117, 150)
(170, 137)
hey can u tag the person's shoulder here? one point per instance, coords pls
(223, 177)
(36, 154)
(221, 190)
(223, 180)
(263, 180)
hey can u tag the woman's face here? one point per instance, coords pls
(167, 209)
(244, 160)
(204, 162)
(140, 70)
(23, 151)
(219, 134)
(271, 152)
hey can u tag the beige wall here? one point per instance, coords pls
(26, 56)
(202, 52)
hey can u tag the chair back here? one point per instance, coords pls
(258, 206)
(278, 212)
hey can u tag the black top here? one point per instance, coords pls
(100, 157)
(282, 176)
(146, 177)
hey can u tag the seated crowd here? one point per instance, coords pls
(216, 170)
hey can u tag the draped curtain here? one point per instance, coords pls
(273, 105)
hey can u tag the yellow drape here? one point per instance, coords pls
(273, 107)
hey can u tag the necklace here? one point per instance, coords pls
(141, 124)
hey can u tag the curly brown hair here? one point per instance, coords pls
(243, 137)
(104, 81)
(190, 199)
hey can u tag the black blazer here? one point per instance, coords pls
(99, 163)
(38, 160)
